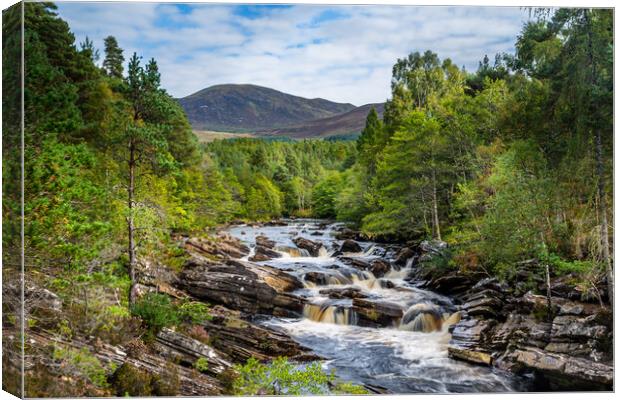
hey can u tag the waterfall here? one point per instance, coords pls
(323, 252)
(293, 252)
(330, 314)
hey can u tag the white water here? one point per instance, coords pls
(397, 358)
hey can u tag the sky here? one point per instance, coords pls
(341, 53)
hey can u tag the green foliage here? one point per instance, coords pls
(130, 381)
(324, 195)
(194, 312)
(281, 377)
(157, 311)
(201, 364)
(82, 362)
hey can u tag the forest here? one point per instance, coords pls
(509, 163)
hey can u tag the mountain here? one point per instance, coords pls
(346, 124)
(243, 108)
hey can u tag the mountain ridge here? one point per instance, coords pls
(248, 107)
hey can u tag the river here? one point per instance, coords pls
(407, 356)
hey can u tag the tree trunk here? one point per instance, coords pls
(435, 208)
(549, 305)
(131, 248)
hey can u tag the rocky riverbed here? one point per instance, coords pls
(374, 313)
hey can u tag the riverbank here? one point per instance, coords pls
(379, 315)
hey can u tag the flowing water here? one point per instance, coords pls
(408, 354)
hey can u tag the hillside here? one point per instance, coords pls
(349, 123)
(239, 108)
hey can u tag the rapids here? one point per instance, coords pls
(408, 354)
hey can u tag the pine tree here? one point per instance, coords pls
(113, 61)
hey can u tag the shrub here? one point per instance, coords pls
(157, 311)
(199, 333)
(202, 364)
(194, 312)
(283, 378)
(129, 380)
(82, 363)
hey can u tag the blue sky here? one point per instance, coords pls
(341, 53)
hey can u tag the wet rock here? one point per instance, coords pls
(357, 262)
(564, 371)
(379, 267)
(451, 283)
(346, 233)
(343, 293)
(264, 254)
(242, 286)
(350, 246)
(318, 278)
(422, 309)
(265, 242)
(377, 312)
(241, 339)
(317, 233)
(276, 223)
(376, 251)
(403, 256)
(313, 248)
(472, 356)
(468, 339)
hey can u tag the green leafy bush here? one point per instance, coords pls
(201, 364)
(83, 363)
(194, 312)
(157, 311)
(284, 378)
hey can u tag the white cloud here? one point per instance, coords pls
(342, 53)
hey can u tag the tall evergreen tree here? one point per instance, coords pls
(113, 61)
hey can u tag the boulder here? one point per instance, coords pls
(564, 371)
(242, 286)
(472, 356)
(469, 339)
(265, 242)
(403, 256)
(262, 253)
(240, 339)
(350, 246)
(379, 267)
(223, 246)
(346, 233)
(377, 313)
(318, 278)
(357, 262)
(313, 248)
(343, 293)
